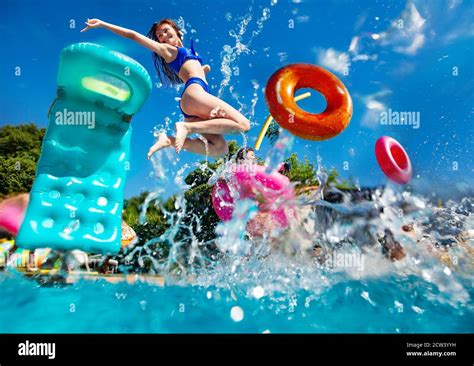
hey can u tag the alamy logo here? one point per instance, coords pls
(76, 118)
(400, 118)
(37, 349)
(345, 260)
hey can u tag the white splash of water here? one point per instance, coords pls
(231, 54)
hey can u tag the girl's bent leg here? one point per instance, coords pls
(206, 146)
(214, 145)
(216, 116)
(217, 126)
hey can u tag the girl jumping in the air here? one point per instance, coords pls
(204, 113)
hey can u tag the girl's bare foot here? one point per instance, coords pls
(181, 134)
(163, 141)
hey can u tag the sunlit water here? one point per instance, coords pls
(276, 283)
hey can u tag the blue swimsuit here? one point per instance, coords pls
(185, 54)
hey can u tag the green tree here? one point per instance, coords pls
(303, 173)
(20, 147)
(154, 213)
(342, 184)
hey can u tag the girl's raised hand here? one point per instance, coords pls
(93, 23)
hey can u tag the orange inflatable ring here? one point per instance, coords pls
(280, 91)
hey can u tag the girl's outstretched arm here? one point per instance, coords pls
(166, 51)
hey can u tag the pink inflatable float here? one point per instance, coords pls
(12, 212)
(251, 181)
(393, 160)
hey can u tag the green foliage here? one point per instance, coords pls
(132, 209)
(15, 140)
(273, 132)
(20, 148)
(303, 173)
(333, 179)
(233, 148)
(199, 203)
(332, 176)
(201, 175)
(149, 231)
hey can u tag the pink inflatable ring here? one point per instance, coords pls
(251, 181)
(393, 160)
(12, 212)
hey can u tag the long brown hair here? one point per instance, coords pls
(166, 75)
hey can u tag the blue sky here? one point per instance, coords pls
(404, 56)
